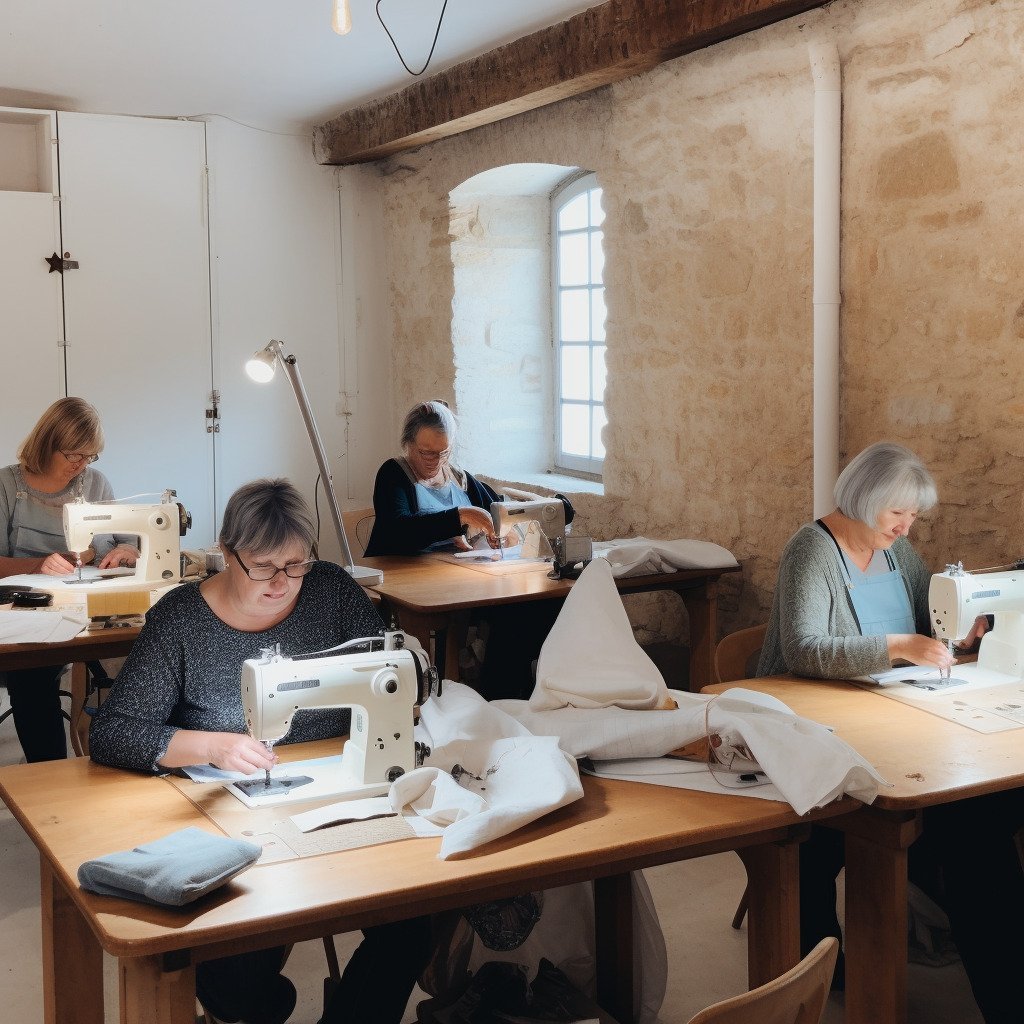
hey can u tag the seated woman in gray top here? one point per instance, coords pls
(852, 597)
(852, 593)
(176, 702)
(53, 468)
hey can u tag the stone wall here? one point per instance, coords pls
(707, 175)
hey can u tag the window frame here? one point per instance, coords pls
(564, 194)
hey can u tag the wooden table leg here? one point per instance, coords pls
(876, 915)
(613, 928)
(773, 921)
(152, 995)
(79, 691)
(72, 958)
(702, 609)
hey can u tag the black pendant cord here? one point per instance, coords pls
(415, 74)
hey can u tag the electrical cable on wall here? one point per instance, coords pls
(415, 74)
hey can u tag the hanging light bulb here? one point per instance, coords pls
(341, 17)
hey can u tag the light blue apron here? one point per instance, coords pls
(441, 499)
(37, 524)
(880, 601)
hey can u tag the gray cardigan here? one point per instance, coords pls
(813, 630)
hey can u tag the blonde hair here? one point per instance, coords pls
(69, 425)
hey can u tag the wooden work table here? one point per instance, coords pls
(91, 646)
(75, 810)
(433, 597)
(928, 760)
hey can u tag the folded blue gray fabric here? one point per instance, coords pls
(171, 871)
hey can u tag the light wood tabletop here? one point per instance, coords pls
(434, 597)
(928, 760)
(75, 810)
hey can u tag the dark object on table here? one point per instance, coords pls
(22, 597)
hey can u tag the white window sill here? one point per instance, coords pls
(549, 483)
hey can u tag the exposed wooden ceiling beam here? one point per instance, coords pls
(601, 45)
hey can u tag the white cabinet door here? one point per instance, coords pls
(31, 357)
(137, 312)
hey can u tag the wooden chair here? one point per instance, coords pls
(798, 997)
(733, 657)
(735, 652)
(358, 523)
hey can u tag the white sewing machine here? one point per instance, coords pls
(159, 528)
(380, 679)
(552, 516)
(957, 597)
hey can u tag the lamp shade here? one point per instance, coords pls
(262, 366)
(341, 17)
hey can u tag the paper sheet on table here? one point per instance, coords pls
(677, 774)
(975, 697)
(641, 556)
(342, 812)
(40, 626)
(207, 774)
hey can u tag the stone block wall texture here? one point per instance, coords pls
(706, 166)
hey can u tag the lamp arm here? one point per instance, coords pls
(291, 368)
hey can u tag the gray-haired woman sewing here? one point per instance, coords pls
(852, 597)
(176, 702)
(852, 593)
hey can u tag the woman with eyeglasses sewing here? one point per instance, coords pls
(176, 702)
(53, 468)
(852, 598)
(423, 503)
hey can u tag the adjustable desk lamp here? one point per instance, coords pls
(261, 369)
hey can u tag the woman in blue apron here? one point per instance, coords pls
(423, 503)
(53, 468)
(852, 598)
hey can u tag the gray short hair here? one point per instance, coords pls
(884, 475)
(434, 415)
(266, 515)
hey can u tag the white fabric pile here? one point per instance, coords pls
(641, 556)
(40, 627)
(599, 693)
(519, 777)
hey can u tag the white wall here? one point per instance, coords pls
(277, 272)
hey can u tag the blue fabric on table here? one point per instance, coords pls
(170, 871)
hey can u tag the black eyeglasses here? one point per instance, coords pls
(77, 458)
(265, 573)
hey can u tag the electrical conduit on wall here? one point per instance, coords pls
(827, 75)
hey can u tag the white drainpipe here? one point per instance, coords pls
(827, 74)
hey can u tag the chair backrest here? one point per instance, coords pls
(734, 653)
(358, 523)
(798, 997)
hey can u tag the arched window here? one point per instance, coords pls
(578, 317)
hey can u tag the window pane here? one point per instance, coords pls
(597, 445)
(596, 212)
(576, 429)
(574, 322)
(600, 373)
(597, 257)
(598, 313)
(573, 214)
(572, 259)
(576, 372)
